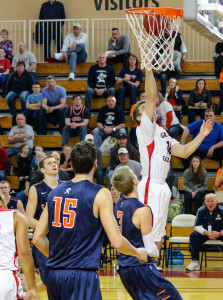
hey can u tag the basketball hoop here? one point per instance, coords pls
(155, 29)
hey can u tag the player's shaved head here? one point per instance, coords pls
(83, 156)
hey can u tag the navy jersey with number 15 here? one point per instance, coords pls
(75, 235)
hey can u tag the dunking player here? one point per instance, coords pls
(156, 147)
(142, 281)
(13, 235)
(76, 213)
(38, 194)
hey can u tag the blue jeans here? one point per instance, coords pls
(78, 55)
(2, 175)
(131, 91)
(67, 132)
(99, 134)
(90, 93)
(11, 96)
(57, 116)
(99, 174)
(32, 117)
(3, 84)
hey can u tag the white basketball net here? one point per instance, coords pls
(156, 51)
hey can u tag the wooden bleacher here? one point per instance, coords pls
(211, 181)
(190, 71)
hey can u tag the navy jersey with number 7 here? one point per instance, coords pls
(75, 235)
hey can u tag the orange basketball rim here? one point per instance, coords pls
(170, 13)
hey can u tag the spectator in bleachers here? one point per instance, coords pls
(6, 44)
(34, 160)
(75, 48)
(175, 97)
(33, 105)
(219, 178)
(200, 98)
(101, 79)
(135, 166)
(24, 165)
(5, 66)
(110, 121)
(115, 194)
(212, 145)
(118, 48)
(131, 77)
(28, 58)
(208, 226)
(65, 163)
(218, 63)
(76, 120)
(165, 75)
(50, 10)
(166, 117)
(3, 161)
(12, 202)
(19, 85)
(99, 172)
(132, 134)
(53, 106)
(195, 182)
(122, 142)
(18, 135)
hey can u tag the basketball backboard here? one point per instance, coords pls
(204, 16)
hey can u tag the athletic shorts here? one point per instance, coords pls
(41, 260)
(146, 282)
(73, 284)
(10, 286)
(158, 200)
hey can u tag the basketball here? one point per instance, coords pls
(154, 24)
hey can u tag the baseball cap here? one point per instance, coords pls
(89, 137)
(77, 25)
(121, 136)
(123, 150)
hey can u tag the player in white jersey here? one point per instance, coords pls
(13, 235)
(156, 148)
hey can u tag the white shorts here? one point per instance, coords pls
(158, 200)
(10, 286)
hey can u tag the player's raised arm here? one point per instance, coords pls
(151, 93)
(39, 239)
(185, 151)
(103, 207)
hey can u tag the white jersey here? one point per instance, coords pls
(8, 248)
(154, 148)
(161, 112)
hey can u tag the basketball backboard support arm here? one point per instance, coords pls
(192, 15)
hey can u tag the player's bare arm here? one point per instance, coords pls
(39, 239)
(20, 207)
(142, 219)
(25, 256)
(151, 93)
(103, 208)
(184, 136)
(31, 207)
(185, 151)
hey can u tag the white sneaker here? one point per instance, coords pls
(193, 266)
(71, 76)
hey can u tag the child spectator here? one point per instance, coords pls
(34, 162)
(24, 165)
(200, 99)
(195, 182)
(33, 105)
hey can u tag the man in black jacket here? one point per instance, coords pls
(19, 85)
(52, 9)
(101, 79)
